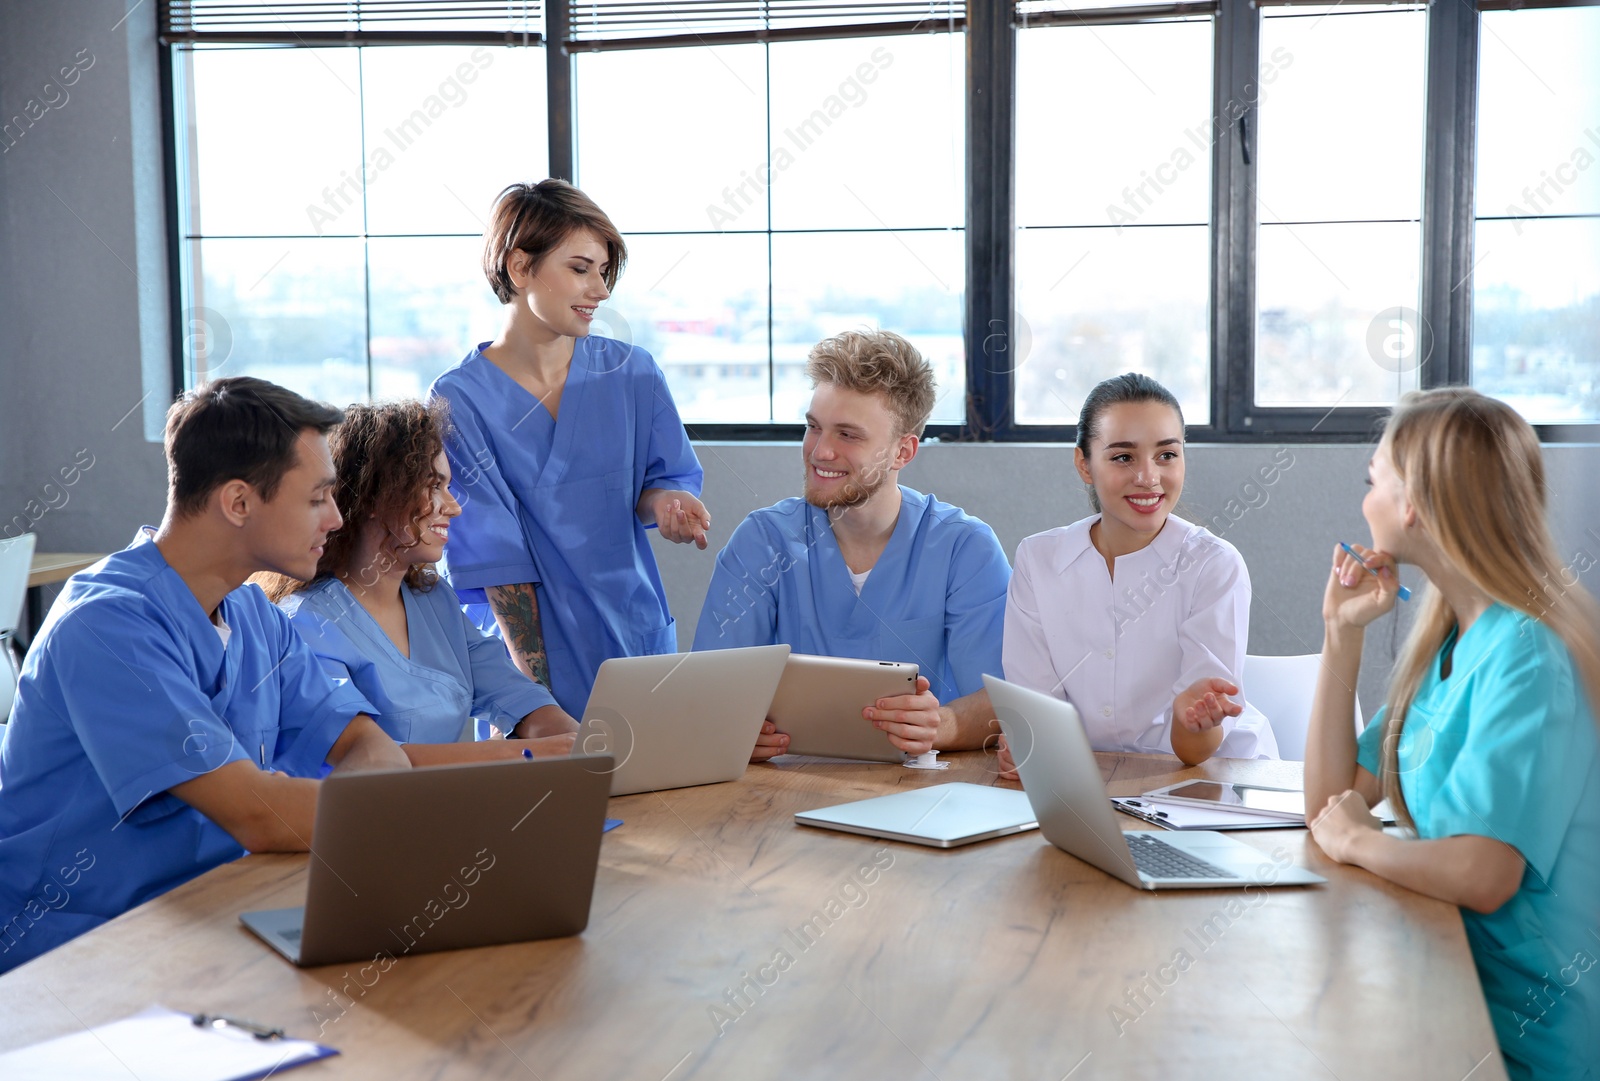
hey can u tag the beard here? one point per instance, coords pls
(852, 493)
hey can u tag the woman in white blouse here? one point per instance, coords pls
(1135, 616)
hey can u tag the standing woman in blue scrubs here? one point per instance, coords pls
(377, 616)
(1486, 747)
(566, 448)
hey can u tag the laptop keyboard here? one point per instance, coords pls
(1158, 859)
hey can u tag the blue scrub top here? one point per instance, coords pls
(1506, 748)
(552, 501)
(126, 692)
(936, 597)
(455, 671)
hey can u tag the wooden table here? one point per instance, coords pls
(1005, 959)
(47, 568)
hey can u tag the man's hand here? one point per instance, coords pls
(679, 516)
(264, 811)
(911, 721)
(770, 743)
(1004, 761)
(363, 745)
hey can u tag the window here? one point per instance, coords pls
(334, 208)
(1339, 204)
(1536, 273)
(1113, 212)
(825, 195)
(1288, 213)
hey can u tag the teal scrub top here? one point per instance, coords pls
(1506, 748)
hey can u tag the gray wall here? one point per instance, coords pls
(83, 342)
(83, 279)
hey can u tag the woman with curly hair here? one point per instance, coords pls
(372, 612)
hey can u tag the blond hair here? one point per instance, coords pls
(878, 362)
(1473, 470)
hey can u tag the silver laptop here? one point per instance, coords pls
(820, 699)
(1062, 780)
(680, 719)
(941, 815)
(397, 855)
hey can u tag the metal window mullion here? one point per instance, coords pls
(1450, 127)
(1237, 52)
(559, 98)
(177, 219)
(991, 54)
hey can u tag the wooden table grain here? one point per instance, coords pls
(727, 942)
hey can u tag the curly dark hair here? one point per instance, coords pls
(383, 457)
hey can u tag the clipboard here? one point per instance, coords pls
(1182, 816)
(158, 1044)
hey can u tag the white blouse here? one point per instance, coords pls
(1178, 611)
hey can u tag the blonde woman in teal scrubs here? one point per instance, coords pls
(1487, 747)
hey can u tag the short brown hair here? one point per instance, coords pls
(239, 428)
(535, 218)
(383, 457)
(878, 362)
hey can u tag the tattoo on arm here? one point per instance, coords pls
(516, 609)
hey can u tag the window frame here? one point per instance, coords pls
(991, 30)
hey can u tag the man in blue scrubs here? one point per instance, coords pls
(862, 567)
(168, 720)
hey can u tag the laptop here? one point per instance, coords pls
(1063, 784)
(819, 702)
(680, 719)
(940, 815)
(443, 858)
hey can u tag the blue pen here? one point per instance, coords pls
(527, 754)
(1403, 593)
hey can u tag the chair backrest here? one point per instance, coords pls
(16, 560)
(1282, 688)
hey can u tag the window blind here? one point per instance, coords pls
(352, 22)
(599, 24)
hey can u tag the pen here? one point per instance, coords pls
(527, 754)
(217, 1021)
(1403, 592)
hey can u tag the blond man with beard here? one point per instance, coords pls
(864, 567)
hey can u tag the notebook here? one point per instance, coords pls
(680, 719)
(940, 815)
(1063, 785)
(397, 855)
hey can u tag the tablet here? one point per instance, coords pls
(820, 699)
(1284, 803)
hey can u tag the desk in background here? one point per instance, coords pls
(48, 568)
(705, 958)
